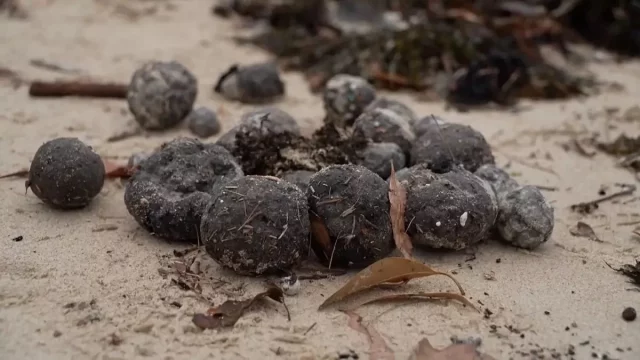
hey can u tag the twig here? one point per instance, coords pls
(310, 327)
(18, 173)
(77, 88)
(628, 191)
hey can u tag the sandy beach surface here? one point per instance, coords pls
(86, 284)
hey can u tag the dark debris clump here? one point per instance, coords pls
(485, 51)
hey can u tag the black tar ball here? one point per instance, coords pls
(384, 125)
(161, 94)
(345, 97)
(378, 158)
(450, 144)
(448, 211)
(171, 188)
(257, 225)
(203, 122)
(66, 173)
(396, 106)
(251, 84)
(350, 204)
(269, 120)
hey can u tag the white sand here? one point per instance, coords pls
(62, 260)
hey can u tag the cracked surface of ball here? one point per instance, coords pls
(378, 158)
(384, 126)
(526, 219)
(448, 211)
(436, 147)
(352, 205)
(66, 173)
(171, 188)
(161, 94)
(251, 84)
(425, 124)
(345, 97)
(396, 106)
(269, 119)
(257, 225)
(203, 122)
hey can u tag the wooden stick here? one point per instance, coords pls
(77, 88)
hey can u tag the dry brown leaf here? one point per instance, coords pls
(422, 296)
(378, 348)
(392, 270)
(229, 312)
(320, 235)
(585, 230)
(398, 203)
(425, 351)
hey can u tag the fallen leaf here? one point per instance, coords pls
(229, 312)
(320, 236)
(425, 351)
(392, 270)
(18, 173)
(582, 229)
(421, 296)
(113, 170)
(398, 203)
(378, 348)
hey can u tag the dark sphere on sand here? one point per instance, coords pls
(353, 228)
(171, 188)
(161, 94)
(66, 173)
(378, 158)
(448, 211)
(257, 225)
(251, 84)
(203, 122)
(396, 106)
(450, 144)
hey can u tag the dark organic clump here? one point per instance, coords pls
(629, 314)
(525, 219)
(171, 189)
(269, 120)
(300, 178)
(203, 122)
(257, 225)
(251, 84)
(161, 94)
(66, 173)
(345, 98)
(449, 211)
(275, 154)
(443, 146)
(349, 207)
(378, 158)
(384, 125)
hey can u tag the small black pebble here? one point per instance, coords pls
(18, 238)
(66, 173)
(57, 333)
(521, 336)
(629, 314)
(567, 328)
(498, 261)
(547, 313)
(345, 97)
(203, 122)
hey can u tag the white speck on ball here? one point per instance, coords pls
(463, 218)
(438, 223)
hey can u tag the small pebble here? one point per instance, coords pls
(161, 94)
(65, 173)
(378, 158)
(526, 219)
(345, 98)
(251, 84)
(383, 125)
(203, 122)
(629, 314)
